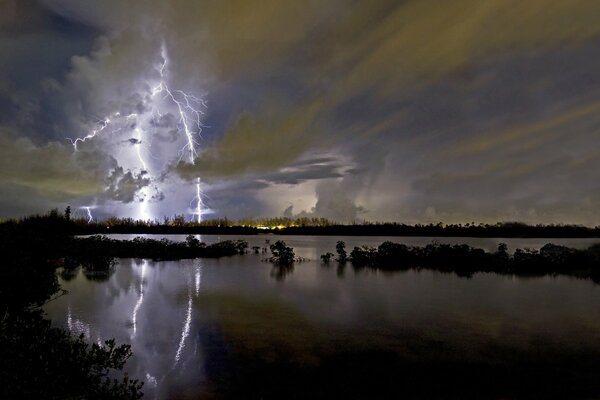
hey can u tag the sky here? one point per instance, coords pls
(412, 111)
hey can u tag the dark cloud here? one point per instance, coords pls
(52, 169)
(308, 169)
(123, 186)
(412, 110)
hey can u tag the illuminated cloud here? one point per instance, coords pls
(51, 169)
(446, 110)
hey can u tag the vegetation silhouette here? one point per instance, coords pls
(326, 258)
(282, 258)
(340, 249)
(310, 226)
(282, 254)
(39, 361)
(465, 260)
(99, 250)
(36, 360)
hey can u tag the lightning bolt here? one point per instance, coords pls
(198, 199)
(103, 124)
(189, 110)
(190, 118)
(89, 214)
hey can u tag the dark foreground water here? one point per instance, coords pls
(239, 328)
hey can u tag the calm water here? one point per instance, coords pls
(223, 328)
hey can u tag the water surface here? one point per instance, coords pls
(238, 327)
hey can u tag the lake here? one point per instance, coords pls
(238, 327)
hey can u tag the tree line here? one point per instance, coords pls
(306, 226)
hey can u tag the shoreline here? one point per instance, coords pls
(349, 230)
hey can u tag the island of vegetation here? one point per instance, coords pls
(465, 260)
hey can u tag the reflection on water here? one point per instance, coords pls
(239, 327)
(185, 331)
(76, 326)
(279, 272)
(140, 299)
(198, 278)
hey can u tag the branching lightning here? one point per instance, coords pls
(103, 124)
(162, 99)
(190, 119)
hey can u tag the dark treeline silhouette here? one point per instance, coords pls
(310, 226)
(465, 260)
(498, 230)
(38, 361)
(512, 229)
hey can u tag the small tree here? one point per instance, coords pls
(502, 250)
(340, 248)
(192, 241)
(282, 254)
(178, 220)
(326, 257)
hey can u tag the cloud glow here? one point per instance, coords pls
(159, 111)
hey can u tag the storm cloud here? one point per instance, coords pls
(417, 111)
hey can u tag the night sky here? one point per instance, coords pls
(410, 111)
